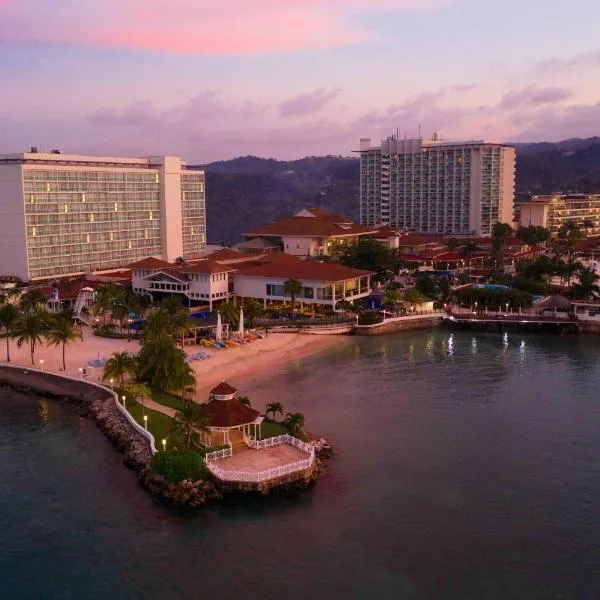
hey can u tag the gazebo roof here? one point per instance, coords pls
(223, 389)
(230, 413)
(555, 301)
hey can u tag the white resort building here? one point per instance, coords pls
(226, 273)
(62, 214)
(436, 186)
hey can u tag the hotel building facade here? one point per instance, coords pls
(63, 214)
(554, 211)
(459, 188)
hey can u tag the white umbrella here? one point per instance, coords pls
(241, 327)
(219, 331)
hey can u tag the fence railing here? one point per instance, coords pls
(218, 454)
(260, 476)
(286, 438)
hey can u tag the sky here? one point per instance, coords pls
(211, 80)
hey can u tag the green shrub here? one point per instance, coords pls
(177, 466)
(369, 318)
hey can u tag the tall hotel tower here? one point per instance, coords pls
(436, 186)
(62, 214)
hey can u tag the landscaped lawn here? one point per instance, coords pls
(167, 400)
(159, 425)
(270, 429)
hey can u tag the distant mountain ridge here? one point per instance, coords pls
(248, 191)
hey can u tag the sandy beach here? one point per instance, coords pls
(259, 358)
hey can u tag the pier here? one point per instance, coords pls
(532, 322)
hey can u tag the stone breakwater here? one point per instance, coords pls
(99, 404)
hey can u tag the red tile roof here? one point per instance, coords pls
(304, 270)
(223, 389)
(229, 413)
(150, 264)
(311, 227)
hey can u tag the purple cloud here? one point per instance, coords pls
(533, 95)
(579, 62)
(310, 103)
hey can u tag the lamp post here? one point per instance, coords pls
(42, 364)
(80, 373)
(111, 384)
(475, 307)
(507, 309)
(123, 397)
(146, 422)
(164, 444)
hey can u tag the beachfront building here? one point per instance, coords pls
(311, 232)
(230, 420)
(63, 214)
(436, 186)
(553, 211)
(223, 274)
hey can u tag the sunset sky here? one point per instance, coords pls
(210, 80)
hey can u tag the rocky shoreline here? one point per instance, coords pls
(96, 403)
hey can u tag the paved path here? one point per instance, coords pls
(165, 410)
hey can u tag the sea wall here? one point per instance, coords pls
(130, 438)
(400, 324)
(589, 327)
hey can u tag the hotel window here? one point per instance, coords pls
(111, 236)
(31, 197)
(33, 231)
(83, 197)
(150, 215)
(87, 238)
(66, 208)
(116, 206)
(91, 217)
(129, 244)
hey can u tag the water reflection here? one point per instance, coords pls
(451, 345)
(474, 346)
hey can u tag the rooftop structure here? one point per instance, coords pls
(311, 232)
(64, 214)
(436, 186)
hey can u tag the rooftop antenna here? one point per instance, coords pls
(419, 130)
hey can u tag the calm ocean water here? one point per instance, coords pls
(468, 467)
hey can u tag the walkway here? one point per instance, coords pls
(255, 461)
(161, 408)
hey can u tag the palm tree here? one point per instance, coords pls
(244, 400)
(252, 310)
(292, 287)
(32, 300)
(177, 317)
(500, 233)
(31, 329)
(294, 422)
(274, 408)
(190, 420)
(139, 390)
(569, 269)
(105, 299)
(452, 244)
(587, 286)
(119, 365)
(62, 331)
(9, 317)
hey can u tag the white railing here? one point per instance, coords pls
(260, 476)
(279, 439)
(218, 454)
(120, 407)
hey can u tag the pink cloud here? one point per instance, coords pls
(189, 26)
(533, 95)
(305, 104)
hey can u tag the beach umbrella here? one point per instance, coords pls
(241, 327)
(219, 331)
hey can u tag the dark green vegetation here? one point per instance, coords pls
(176, 466)
(247, 192)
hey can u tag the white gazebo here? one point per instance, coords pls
(229, 417)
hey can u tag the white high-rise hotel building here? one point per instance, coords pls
(62, 214)
(436, 186)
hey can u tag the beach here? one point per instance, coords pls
(259, 358)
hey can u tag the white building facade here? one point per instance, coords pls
(435, 186)
(64, 214)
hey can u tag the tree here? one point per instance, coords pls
(500, 233)
(119, 365)
(62, 331)
(162, 364)
(587, 286)
(253, 310)
(244, 400)
(273, 408)
(569, 269)
(466, 250)
(426, 285)
(31, 329)
(230, 314)
(452, 244)
(292, 287)
(414, 297)
(9, 317)
(587, 225)
(32, 301)
(391, 295)
(139, 391)
(370, 255)
(189, 421)
(294, 422)
(106, 298)
(568, 234)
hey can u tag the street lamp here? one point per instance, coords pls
(146, 422)
(123, 397)
(507, 308)
(80, 373)
(42, 364)
(111, 384)
(164, 444)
